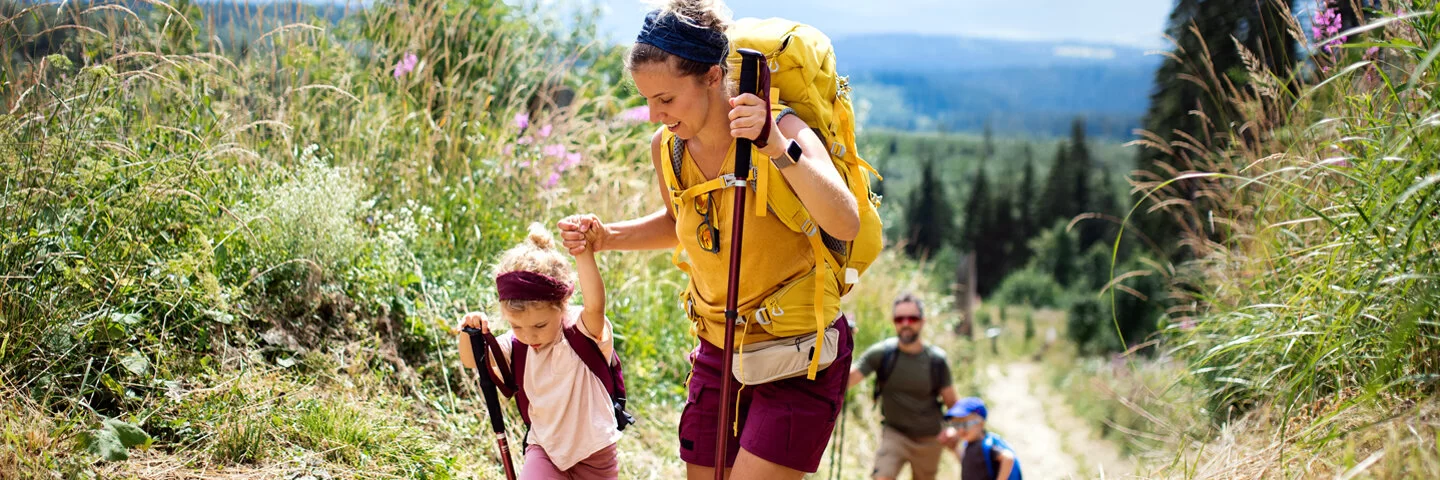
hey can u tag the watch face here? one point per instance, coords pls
(794, 150)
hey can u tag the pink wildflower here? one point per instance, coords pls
(406, 65)
(640, 114)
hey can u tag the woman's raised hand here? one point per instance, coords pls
(580, 233)
(748, 116)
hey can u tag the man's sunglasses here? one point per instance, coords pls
(902, 319)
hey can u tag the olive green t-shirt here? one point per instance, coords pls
(909, 403)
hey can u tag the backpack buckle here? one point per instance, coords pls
(761, 316)
(809, 228)
(731, 181)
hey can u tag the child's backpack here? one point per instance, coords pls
(802, 79)
(992, 464)
(887, 367)
(609, 373)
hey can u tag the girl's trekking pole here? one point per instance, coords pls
(474, 355)
(840, 448)
(749, 83)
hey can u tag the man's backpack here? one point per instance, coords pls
(609, 373)
(802, 81)
(887, 367)
(987, 446)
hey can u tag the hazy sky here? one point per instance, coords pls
(1127, 22)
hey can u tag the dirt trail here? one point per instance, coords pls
(1050, 441)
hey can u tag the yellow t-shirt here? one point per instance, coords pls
(772, 255)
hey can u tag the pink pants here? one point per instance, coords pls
(602, 465)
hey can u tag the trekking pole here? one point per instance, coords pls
(474, 341)
(839, 450)
(841, 447)
(749, 76)
(844, 402)
(831, 472)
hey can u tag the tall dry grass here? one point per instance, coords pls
(1307, 317)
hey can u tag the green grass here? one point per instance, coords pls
(242, 441)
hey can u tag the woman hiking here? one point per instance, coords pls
(781, 427)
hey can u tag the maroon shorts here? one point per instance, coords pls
(787, 422)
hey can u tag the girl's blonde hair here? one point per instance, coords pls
(537, 255)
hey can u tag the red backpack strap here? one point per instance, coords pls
(518, 350)
(594, 359)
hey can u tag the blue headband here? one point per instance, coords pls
(682, 39)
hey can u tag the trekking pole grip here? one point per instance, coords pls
(750, 63)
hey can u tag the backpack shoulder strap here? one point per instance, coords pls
(591, 356)
(1015, 472)
(609, 372)
(987, 446)
(937, 372)
(677, 157)
(518, 350)
(887, 366)
(676, 147)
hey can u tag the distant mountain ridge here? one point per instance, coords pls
(926, 82)
(912, 52)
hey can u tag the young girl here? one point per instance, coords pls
(573, 428)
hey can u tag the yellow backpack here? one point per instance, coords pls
(802, 65)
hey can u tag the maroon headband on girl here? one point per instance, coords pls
(522, 285)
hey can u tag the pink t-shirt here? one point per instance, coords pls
(570, 412)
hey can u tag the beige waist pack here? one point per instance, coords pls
(782, 358)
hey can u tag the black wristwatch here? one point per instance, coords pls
(791, 156)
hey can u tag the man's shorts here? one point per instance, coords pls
(896, 449)
(787, 422)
